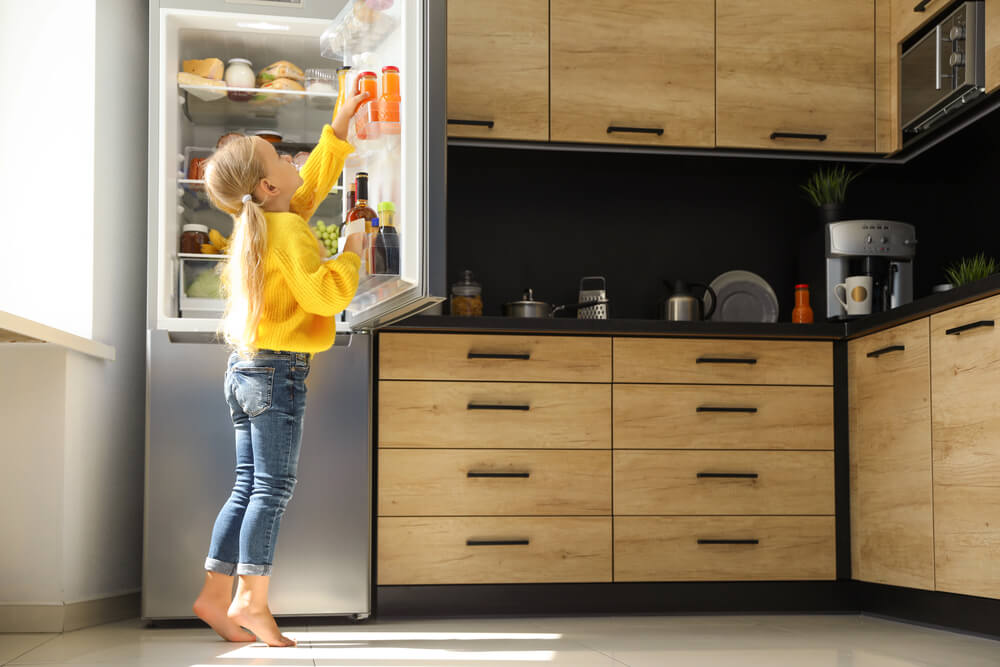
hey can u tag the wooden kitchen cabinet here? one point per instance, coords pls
(965, 394)
(992, 45)
(889, 415)
(796, 74)
(906, 19)
(498, 69)
(646, 66)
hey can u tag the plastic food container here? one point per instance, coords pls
(239, 74)
(322, 81)
(270, 136)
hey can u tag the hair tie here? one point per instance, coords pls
(246, 198)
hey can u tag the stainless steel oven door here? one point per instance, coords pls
(943, 68)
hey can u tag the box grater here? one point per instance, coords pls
(598, 312)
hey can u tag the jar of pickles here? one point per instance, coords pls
(467, 297)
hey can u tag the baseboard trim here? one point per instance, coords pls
(68, 617)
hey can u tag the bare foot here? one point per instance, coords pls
(213, 612)
(259, 622)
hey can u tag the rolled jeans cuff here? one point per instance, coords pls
(220, 566)
(253, 570)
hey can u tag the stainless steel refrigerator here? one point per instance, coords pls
(323, 557)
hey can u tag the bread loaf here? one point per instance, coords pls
(210, 68)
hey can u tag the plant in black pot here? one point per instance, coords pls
(970, 269)
(827, 189)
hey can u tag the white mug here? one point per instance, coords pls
(857, 299)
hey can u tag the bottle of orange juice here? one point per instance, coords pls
(367, 83)
(388, 104)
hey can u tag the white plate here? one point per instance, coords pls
(743, 297)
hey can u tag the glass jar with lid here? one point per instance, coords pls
(239, 74)
(467, 297)
(193, 237)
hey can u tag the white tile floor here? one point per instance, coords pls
(637, 641)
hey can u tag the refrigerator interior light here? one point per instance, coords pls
(263, 25)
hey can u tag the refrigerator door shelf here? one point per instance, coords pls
(359, 27)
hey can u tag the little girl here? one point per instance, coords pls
(280, 307)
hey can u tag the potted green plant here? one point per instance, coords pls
(970, 269)
(827, 190)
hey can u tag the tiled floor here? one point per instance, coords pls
(637, 641)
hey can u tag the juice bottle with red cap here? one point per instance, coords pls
(367, 82)
(388, 104)
(803, 312)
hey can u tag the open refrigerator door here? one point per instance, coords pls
(224, 72)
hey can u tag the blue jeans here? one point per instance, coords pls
(267, 401)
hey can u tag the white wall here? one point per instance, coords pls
(47, 148)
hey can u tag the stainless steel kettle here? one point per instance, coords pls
(683, 306)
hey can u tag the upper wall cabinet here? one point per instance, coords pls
(498, 69)
(992, 45)
(796, 74)
(633, 72)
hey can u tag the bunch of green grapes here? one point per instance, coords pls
(328, 235)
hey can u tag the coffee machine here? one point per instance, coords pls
(882, 249)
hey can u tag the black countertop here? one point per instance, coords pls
(779, 330)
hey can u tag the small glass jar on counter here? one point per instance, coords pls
(467, 297)
(193, 237)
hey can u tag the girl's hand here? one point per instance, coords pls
(355, 243)
(347, 111)
(323, 252)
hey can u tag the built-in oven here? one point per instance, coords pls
(943, 70)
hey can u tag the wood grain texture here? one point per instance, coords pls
(436, 414)
(676, 361)
(965, 395)
(667, 549)
(415, 551)
(418, 356)
(667, 483)
(667, 417)
(892, 521)
(498, 68)
(634, 63)
(436, 483)
(905, 21)
(796, 66)
(888, 137)
(992, 45)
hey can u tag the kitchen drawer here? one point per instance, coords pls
(493, 550)
(722, 417)
(463, 482)
(718, 361)
(906, 20)
(965, 414)
(723, 483)
(406, 356)
(494, 415)
(775, 548)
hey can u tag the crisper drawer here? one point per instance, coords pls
(494, 415)
(722, 417)
(773, 548)
(491, 550)
(723, 483)
(461, 482)
(723, 361)
(412, 356)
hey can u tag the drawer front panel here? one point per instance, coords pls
(722, 417)
(462, 482)
(411, 356)
(724, 548)
(473, 550)
(723, 361)
(494, 415)
(723, 483)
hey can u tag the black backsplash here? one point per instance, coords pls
(544, 219)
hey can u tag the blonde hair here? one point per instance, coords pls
(231, 174)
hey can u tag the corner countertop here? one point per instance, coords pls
(836, 330)
(14, 329)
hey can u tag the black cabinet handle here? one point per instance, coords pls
(484, 406)
(965, 327)
(474, 123)
(487, 355)
(727, 475)
(640, 130)
(495, 543)
(886, 350)
(797, 135)
(922, 5)
(724, 360)
(728, 541)
(506, 475)
(749, 411)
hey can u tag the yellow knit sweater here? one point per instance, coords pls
(302, 293)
